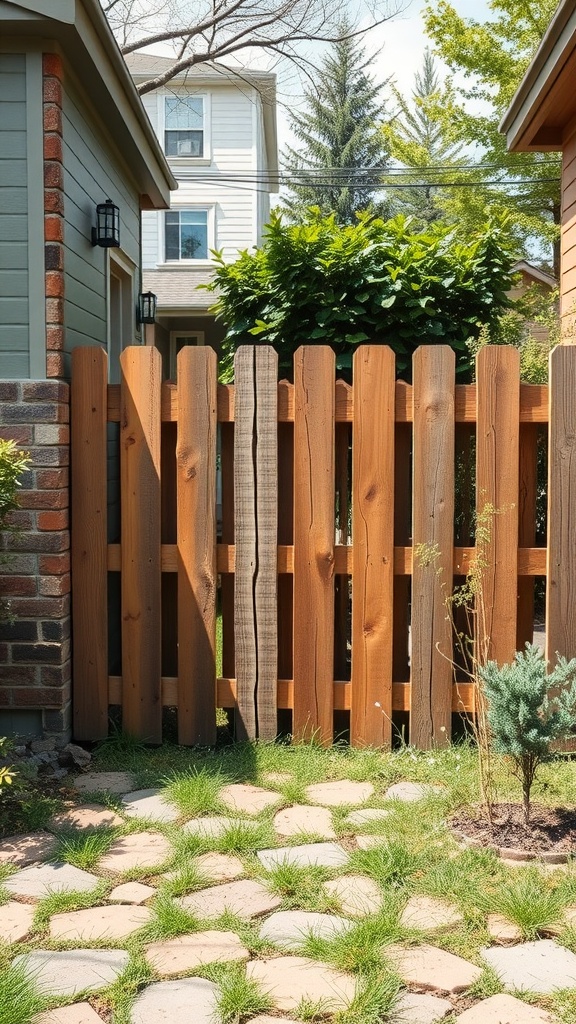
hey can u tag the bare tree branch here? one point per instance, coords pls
(203, 31)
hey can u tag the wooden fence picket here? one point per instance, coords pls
(561, 561)
(527, 488)
(497, 476)
(89, 543)
(140, 542)
(196, 542)
(433, 527)
(373, 546)
(314, 490)
(256, 519)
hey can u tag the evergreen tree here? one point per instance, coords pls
(336, 166)
(419, 140)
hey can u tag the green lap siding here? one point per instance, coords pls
(14, 282)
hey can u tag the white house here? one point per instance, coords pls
(218, 131)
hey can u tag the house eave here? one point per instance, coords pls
(544, 106)
(80, 29)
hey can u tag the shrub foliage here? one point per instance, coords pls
(373, 281)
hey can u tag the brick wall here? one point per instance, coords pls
(35, 665)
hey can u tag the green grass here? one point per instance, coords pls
(61, 902)
(196, 791)
(239, 997)
(19, 999)
(170, 919)
(84, 850)
(301, 888)
(527, 900)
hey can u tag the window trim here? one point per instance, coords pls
(181, 161)
(211, 224)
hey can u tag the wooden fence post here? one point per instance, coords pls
(373, 545)
(196, 544)
(561, 557)
(433, 527)
(88, 480)
(256, 539)
(314, 524)
(497, 469)
(141, 566)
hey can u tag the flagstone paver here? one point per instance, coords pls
(289, 929)
(299, 818)
(338, 794)
(39, 880)
(88, 816)
(540, 966)
(369, 842)
(131, 892)
(78, 1013)
(247, 799)
(184, 953)
(186, 999)
(15, 921)
(149, 803)
(366, 816)
(73, 971)
(407, 792)
(214, 827)
(504, 1009)
(26, 849)
(265, 1019)
(104, 782)
(356, 894)
(246, 898)
(329, 855)
(219, 867)
(431, 968)
(96, 923)
(430, 915)
(290, 979)
(140, 850)
(413, 1008)
(502, 930)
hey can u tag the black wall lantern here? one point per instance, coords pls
(146, 308)
(107, 230)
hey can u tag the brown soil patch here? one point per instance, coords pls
(551, 829)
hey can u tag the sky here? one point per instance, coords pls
(398, 46)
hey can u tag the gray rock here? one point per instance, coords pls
(420, 1009)
(73, 971)
(79, 756)
(289, 929)
(329, 855)
(540, 966)
(43, 746)
(169, 1001)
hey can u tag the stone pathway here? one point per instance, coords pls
(230, 896)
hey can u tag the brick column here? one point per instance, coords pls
(53, 213)
(35, 664)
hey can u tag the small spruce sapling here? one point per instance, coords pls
(529, 710)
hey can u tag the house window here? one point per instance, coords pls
(178, 341)
(184, 126)
(186, 235)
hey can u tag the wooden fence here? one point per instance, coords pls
(327, 490)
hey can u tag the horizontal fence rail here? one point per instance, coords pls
(298, 511)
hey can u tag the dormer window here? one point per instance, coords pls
(184, 126)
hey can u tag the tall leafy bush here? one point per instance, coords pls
(374, 281)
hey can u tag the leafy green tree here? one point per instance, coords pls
(337, 165)
(493, 56)
(529, 710)
(373, 281)
(419, 139)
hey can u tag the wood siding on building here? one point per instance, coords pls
(233, 147)
(92, 174)
(14, 306)
(568, 272)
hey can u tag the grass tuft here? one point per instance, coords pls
(195, 791)
(300, 887)
(374, 1001)
(84, 850)
(239, 997)
(527, 901)
(61, 902)
(169, 920)
(19, 999)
